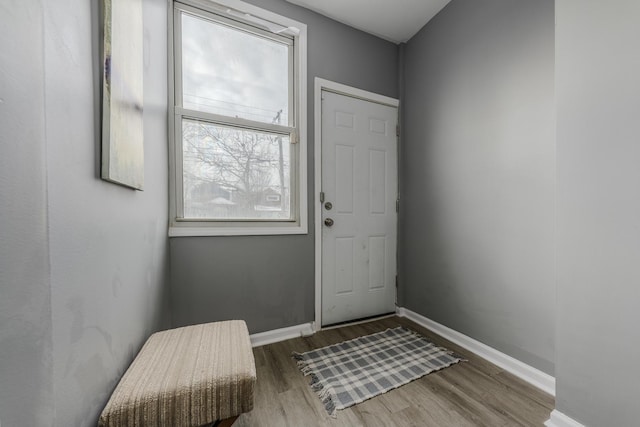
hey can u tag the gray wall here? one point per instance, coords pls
(269, 281)
(478, 175)
(109, 247)
(25, 313)
(77, 299)
(598, 131)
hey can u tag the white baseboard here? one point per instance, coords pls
(533, 376)
(558, 419)
(277, 335)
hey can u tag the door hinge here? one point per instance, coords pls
(397, 130)
(322, 197)
(397, 205)
(396, 282)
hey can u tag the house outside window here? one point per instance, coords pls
(238, 146)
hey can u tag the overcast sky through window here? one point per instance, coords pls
(232, 72)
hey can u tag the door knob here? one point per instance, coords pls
(328, 222)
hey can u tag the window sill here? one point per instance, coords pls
(203, 231)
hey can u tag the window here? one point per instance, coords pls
(238, 145)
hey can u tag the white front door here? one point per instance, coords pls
(359, 182)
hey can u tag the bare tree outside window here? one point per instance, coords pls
(234, 173)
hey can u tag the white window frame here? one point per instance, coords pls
(246, 14)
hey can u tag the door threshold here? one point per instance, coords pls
(357, 321)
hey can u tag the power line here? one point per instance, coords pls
(271, 112)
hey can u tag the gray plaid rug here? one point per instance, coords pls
(353, 371)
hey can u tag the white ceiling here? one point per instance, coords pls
(393, 20)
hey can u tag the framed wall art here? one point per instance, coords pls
(122, 93)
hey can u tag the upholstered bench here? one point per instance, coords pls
(186, 377)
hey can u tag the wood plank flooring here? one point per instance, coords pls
(473, 393)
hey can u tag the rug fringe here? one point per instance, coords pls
(306, 370)
(324, 392)
(302, 364)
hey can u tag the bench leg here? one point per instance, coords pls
(227, 422)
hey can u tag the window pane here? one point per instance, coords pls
(234, 73)
(232, 173)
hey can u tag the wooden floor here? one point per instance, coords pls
(473, 393)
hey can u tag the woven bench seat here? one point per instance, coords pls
(186, 377)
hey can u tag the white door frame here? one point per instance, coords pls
(320, 85)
